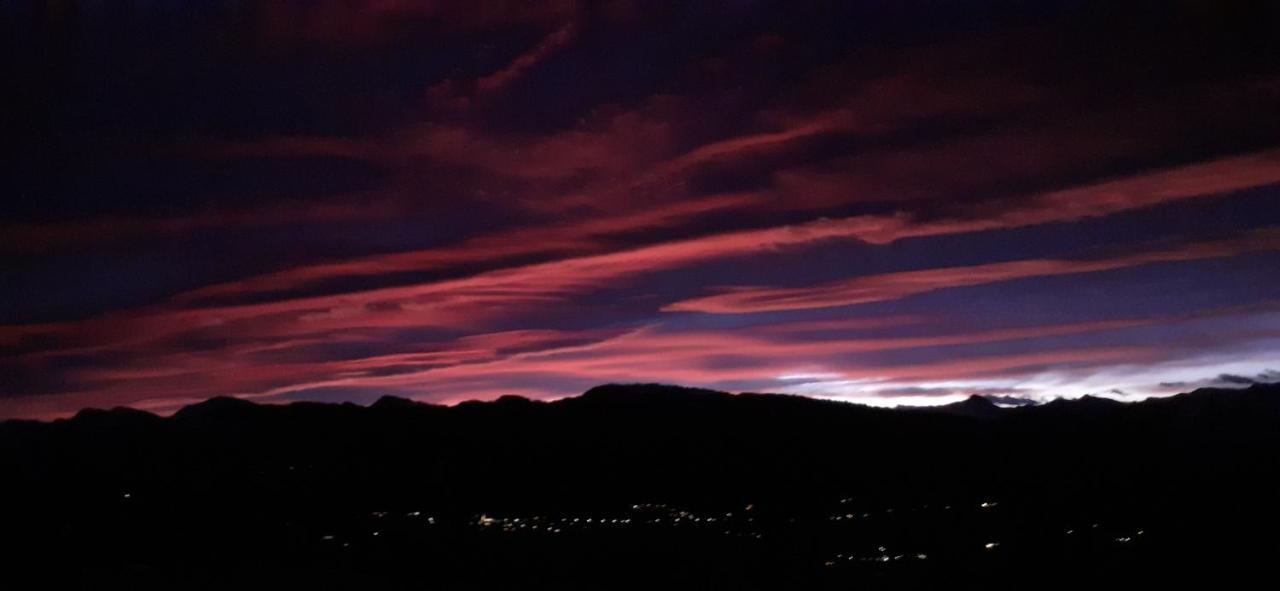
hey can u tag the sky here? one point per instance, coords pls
(885, 202)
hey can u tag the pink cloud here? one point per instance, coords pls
(491, 249)
(485, 365)
(892, 286)
(1158, 187)
(508, 292)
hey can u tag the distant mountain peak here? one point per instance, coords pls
(1086, 401)
(975, 406)
(389, 401)
(646, 392)
(117, 418)
(216, 407)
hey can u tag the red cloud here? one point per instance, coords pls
(1100, 199)
(509, 292)
(892, 286)
(485, 365)
(458, 95)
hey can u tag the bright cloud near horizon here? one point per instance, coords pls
(882, 202)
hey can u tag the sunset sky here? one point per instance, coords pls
(881, 201)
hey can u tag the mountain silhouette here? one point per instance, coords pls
(228, 493)
(974, 406)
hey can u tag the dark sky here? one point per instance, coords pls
(883, 201)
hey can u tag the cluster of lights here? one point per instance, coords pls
(849, 516)
(648, 514)
(411, 514)
(657, 514)
(882, 556)
(546, 524)
(1121, 539)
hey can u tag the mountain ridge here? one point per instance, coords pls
(614, 394)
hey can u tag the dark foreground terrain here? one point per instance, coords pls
(647, 487)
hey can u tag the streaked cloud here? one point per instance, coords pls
(890, 286)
